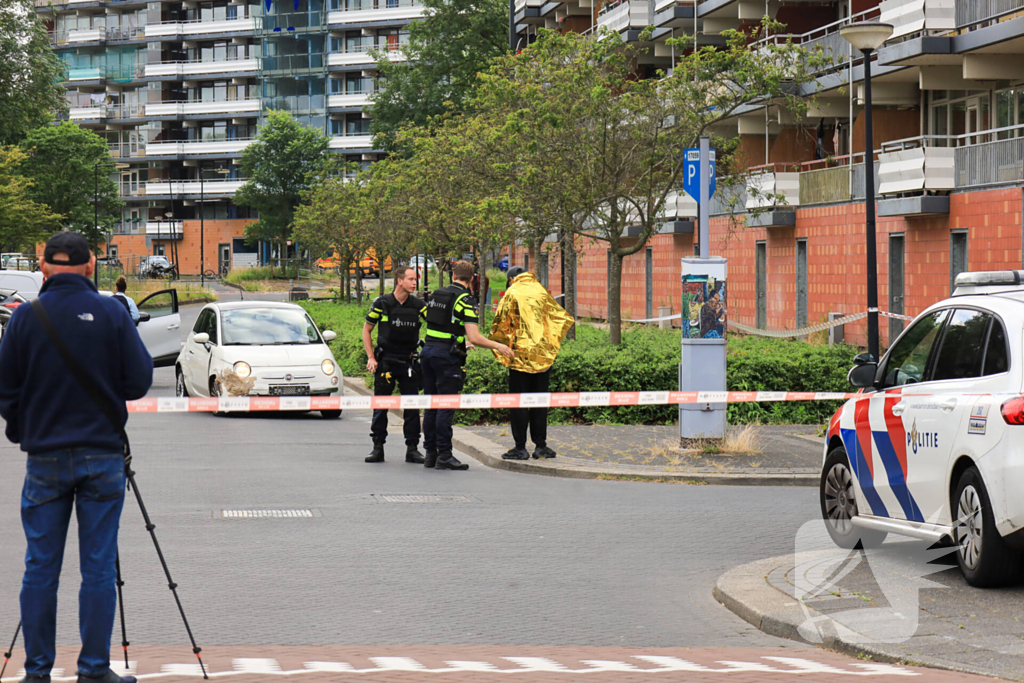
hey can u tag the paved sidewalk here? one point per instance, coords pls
(885, 605)
(789, 455)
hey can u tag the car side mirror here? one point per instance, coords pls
(201, 338)
(863, 358)
(863, 374)
(328, 335)
(144, 317)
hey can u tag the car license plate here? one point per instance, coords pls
(289, 390)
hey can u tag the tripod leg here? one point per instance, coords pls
(120, 604)
(7, 655)
(163, 563)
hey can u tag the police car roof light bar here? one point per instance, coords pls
(990, 277)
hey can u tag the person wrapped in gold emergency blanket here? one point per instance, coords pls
(533, 325)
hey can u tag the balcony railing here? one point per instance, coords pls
(200, 27)
(360, 54)
(826, 38)
(129, 228)
(626, 15)
(392, 12)
(199, 67)
(178, 188)
(185, 147)
(164, 229)
(970, 13)
(352, 142)
(350, 99)
(178, 108)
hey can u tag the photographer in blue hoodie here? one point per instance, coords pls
(75, 455)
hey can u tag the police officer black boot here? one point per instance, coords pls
(447, 461)
(431, 458)
(413, 455)
(377, 454)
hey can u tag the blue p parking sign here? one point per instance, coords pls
(691, 173)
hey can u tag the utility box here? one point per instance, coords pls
(704, 322)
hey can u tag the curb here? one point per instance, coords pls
(489, 453)
(745, 591)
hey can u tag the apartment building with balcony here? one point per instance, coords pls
(179, 88)
(948, 150)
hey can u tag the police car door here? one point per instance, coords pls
(935, 419)
(884, 421)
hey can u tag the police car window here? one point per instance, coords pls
(908, 360)
(963, 345)
(995, 354)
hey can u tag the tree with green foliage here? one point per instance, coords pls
(71, 169)
(447, 49)
(279, 166)
(30, 72)
(23, 222)
(326, 221)
(600, 152)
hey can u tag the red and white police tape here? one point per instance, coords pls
(242, 404)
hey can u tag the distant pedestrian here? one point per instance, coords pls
(76, 456)
(530, 321)
(122, 288)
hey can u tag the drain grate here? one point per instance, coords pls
(423, 498)
(265, 514)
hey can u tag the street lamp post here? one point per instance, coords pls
(202, 223)
(96, 206)
(868, 37)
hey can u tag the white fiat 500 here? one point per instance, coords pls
(934, 446)
(275, 344)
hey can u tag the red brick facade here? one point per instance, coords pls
(836, 271)
(187, 255)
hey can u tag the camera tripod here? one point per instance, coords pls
(150, 527)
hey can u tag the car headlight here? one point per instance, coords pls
(242, 369)
(328, 367)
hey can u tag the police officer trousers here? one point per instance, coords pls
(442, 374)
(391, 372)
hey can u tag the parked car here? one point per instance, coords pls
(27, 284)
(155, 266)
(502, 264)
(933, 447)
(418, 261)
(9, 300)
(159, 326)
(274, 343)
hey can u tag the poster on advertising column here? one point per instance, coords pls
(704, 306)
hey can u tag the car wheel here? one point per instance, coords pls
(839, 505)
(330, 414)
(984, 557)
(180, 390)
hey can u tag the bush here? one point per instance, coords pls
(239, 275)
(647, 360)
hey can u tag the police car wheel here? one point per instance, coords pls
(330, 414)
(180, 390)
(839, 505)
(984, 557)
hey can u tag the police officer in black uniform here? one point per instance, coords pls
(452, 319)
(393, 361)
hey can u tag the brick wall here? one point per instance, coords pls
(836, 261)
(215, 232)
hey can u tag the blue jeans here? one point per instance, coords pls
(442, 374)
(93, 481)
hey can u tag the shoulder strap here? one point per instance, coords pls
(81, 376)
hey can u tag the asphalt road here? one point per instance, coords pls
(483, 557)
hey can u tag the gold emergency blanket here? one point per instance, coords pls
(530, 322)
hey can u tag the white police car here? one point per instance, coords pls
(934, 446)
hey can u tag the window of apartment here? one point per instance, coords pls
(357, 125)
(355, 42)
(957, 255)
(358, 84)
(959, 112)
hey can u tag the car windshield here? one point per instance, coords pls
(267, 326)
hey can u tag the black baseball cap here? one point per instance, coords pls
(71, 243)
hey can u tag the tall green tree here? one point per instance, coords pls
(71, 172)
(280, 166)
(599, 152)
(30, 73)
(23, 222)
(454, 42)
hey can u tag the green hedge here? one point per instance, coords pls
(647, 360)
